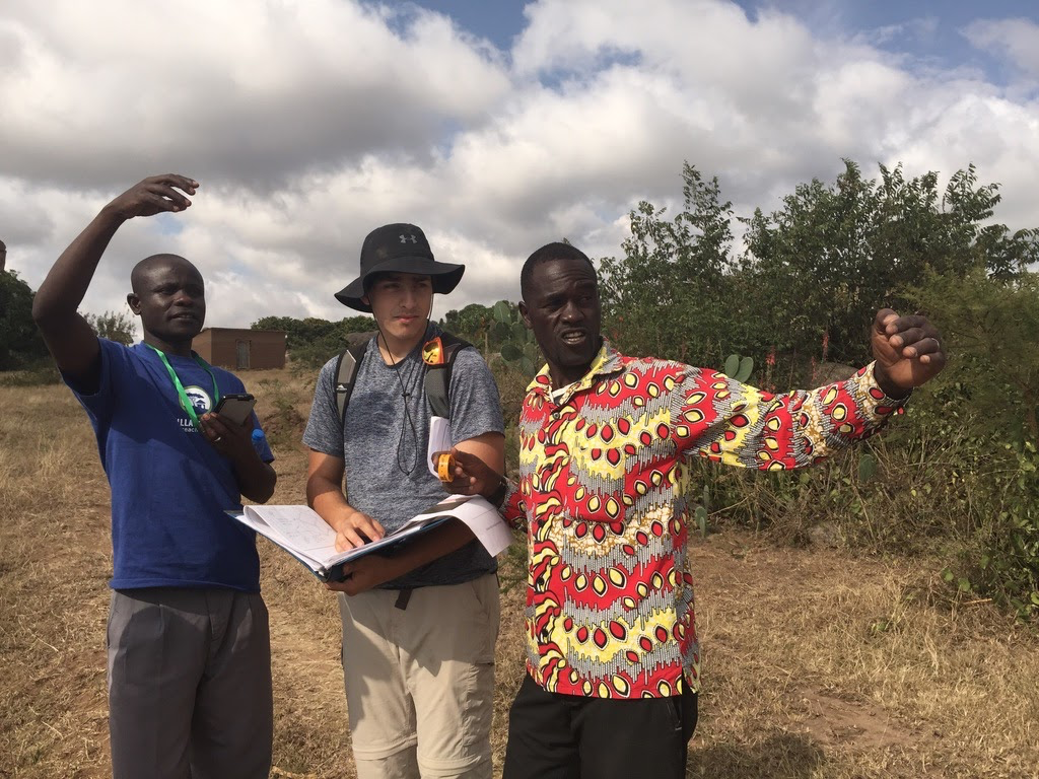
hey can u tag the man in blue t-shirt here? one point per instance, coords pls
(188, 643)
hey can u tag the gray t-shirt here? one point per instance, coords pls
(384, 446)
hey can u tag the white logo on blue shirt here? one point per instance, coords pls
(199, 398)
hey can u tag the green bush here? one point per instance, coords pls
(21, 344)
(956, 475)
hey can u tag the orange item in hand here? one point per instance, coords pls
(445, 466)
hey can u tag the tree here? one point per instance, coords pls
(515, 340)
(986, 412)
(20, 342)
(832, 255)
(118, 327)
(991, 325)
(668, 295)
(472, 323)
(312, 341)
(489, 328)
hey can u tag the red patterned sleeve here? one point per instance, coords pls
(514, 510)
(719, 418)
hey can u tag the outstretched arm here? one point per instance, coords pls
(724, 420)
(67, 334)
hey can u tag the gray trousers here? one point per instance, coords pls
(189, 684)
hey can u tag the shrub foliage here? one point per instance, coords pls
(959, 472)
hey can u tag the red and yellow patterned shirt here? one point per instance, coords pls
(605, 497)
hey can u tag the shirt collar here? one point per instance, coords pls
(608, 360)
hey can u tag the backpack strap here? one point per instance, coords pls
(438, 355)
(344, 375)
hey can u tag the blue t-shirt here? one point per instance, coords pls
(170, 487)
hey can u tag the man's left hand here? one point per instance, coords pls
(908, 352)
(363, 574)
(231, 440)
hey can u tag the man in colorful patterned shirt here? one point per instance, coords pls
(605, 496)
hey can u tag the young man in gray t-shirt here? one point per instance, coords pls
(420, 624)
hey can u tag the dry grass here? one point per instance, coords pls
(823, 666)
(817, 664)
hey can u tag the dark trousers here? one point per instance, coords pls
(554, 736)
(189, 683)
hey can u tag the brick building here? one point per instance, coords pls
(240, 348)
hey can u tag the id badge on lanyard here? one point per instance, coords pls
(185, 401)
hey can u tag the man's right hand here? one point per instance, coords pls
(355, 528)
(68, 335)
(471, 475)
(154, 195)
(325, 495)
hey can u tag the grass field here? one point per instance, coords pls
(817, 663)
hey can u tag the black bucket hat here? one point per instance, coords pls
(398, 248)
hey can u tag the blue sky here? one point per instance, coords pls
(499, 22)
(495, 126)
(928, 30)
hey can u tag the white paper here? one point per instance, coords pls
(303, 532)
(439, 440)
(479, 516)
(298, 527)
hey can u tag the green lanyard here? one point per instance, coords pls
(185, 402)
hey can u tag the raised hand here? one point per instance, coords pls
(908, 351)
(68, 336)
(154, 195)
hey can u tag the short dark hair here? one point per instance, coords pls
(145, 266)
(550, 252)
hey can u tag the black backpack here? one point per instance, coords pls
(438, 355)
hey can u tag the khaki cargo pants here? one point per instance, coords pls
(419, 673)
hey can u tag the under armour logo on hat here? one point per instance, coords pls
(398, 248)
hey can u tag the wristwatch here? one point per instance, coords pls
(498, 496)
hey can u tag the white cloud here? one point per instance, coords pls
(310, 123)
(258, 93)
(919, 29)
(1016, 40)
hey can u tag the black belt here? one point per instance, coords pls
(403, 596)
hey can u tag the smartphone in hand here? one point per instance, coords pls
(236, 407)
